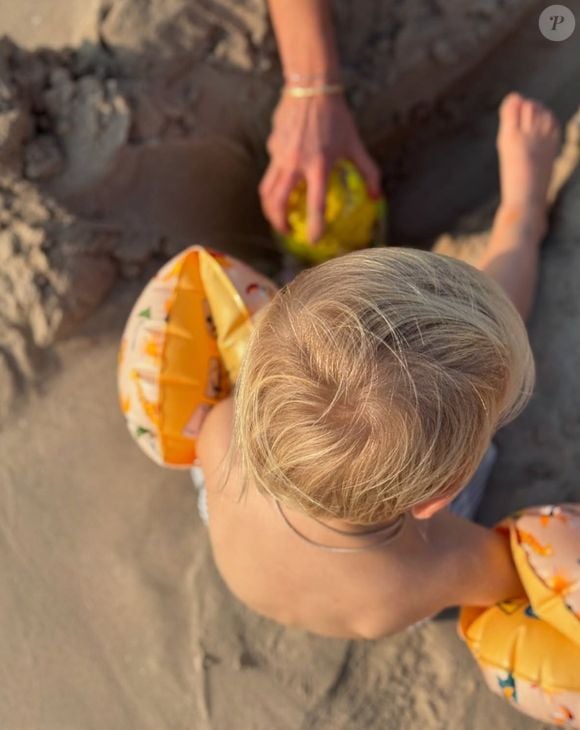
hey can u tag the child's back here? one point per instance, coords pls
(274, 572)
(364, 594)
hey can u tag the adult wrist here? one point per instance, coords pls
(312, 78)
(317, 90)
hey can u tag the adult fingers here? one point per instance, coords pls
(268, 180)
(368, 169)
(275, 197)
(316, 181)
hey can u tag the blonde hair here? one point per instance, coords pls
(376, 381)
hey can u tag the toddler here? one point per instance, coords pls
(340, 474)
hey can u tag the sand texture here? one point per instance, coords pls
(128, 130)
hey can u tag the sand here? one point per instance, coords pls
(127, 131)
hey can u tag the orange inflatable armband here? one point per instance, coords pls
(529, 650)
(182, 348)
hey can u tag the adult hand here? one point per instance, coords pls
(309, 136)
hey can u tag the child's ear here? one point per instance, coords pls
(425, 510)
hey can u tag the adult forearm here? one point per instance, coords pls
(312, 127)
(306, 39)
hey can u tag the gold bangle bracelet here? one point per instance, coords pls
(306, 92)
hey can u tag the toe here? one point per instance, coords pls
(510, 107)
(548, 123)
(544, 121)
(529, 115)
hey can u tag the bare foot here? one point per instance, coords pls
(527, 142)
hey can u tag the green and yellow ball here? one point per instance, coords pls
(353, 219)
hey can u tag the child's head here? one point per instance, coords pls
(374, 383)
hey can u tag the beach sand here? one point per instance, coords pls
(112, 614)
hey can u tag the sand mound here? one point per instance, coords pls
(54, 270)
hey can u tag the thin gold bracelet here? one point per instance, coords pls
(306, 92)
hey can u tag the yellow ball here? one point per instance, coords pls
(352, 217)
